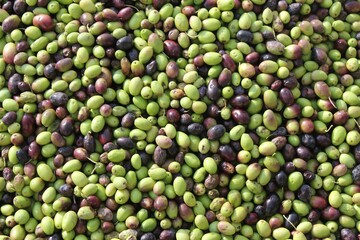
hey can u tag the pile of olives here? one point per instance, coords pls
(179, 119)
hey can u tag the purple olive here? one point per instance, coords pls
(59, 98)
(240, 116)
(125, 14)
(240, 101)
(216, 132)
(227, 153)
(286, 96)
(66, 126)
(271, 205)
(9, 118)
(172, 49)
(225, 77)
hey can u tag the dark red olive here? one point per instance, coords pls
(107, 227)
(172, 49)
(80, 227)
(352, 6)
(165, 234)
(159, 156)
(172, 69)
(308, 92)
(286, 96)
(13, 83)
(228, 62)
(318, 26)
(160, 203)
(128, 120)
(110, 15)
(80, 154)
(252, 57)
(27, 125)
(10, 23)
(105, 40)
(306, 125)
(105, 135)
(210, 216)
(34, 150)
(100, 85)
(59, 160)
(208, 4)
(323, 140)
(119, 4)
(147, 203)
(213, 90)
(111, 204)
(314, 216)
(340, 117)
(318, 202)
(44, 22)
(9, 118)
(303, 153)
(173, 115)
(276, 85)
(158, 3)
(125, 14)
(252, 218)
(188, 11)
(20, 7)
(86, 19)
(66, 190)
(290, 82)
(227, 167)
(240, 116)
(319, 55)
(199, 60)
(225, 77)
(227, 153)
(212, 181)
(240, 101)
(66, 126)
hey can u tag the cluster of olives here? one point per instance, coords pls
(179, 119)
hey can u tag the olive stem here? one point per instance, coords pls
(94, 162)
(331, 126)
(96, 166)
(126, 5)
(289, 222)
(25, 163)
(332, 103)
(88, 27)
(357, 123)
